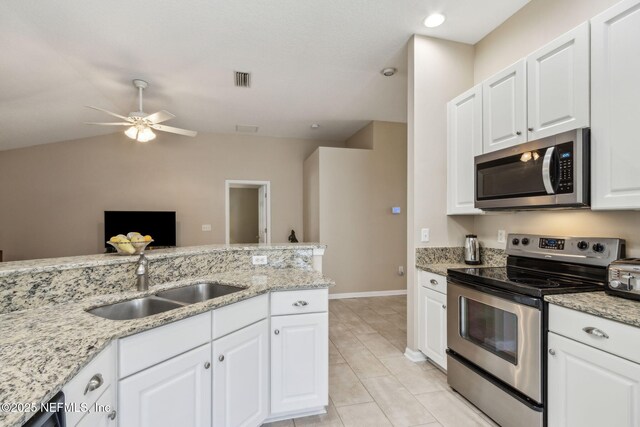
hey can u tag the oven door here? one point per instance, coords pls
(500, 336)
(544, 173)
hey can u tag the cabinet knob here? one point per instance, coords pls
(518, 133)
(552, 352)
(112, 415)
(434, 282)
(530, 129)
(95, 382)
(300, 303)
(207, 365)
(444, 306)
(277, 332)
(221, 358)
(595, 332)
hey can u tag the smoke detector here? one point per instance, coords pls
(388, 72)
(315, 126)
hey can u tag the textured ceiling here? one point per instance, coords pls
(312, 61)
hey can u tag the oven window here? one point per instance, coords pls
(489, 327)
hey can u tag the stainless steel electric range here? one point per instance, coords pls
(497, 320)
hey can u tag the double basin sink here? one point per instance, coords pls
(163, 301)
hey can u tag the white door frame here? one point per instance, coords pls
(264, 188)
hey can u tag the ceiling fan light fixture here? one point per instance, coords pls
(434, 20)
(132, 132)
(146, 135)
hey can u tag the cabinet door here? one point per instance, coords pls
(504, 112)
(240, 377)
(615, 107)
(299, 362)
(464, 142)
(436, 323)
(176, 392)
(558, 85)
(588, 387)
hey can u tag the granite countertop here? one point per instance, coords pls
(441, 268)
(600, 304)
(83, 261)
(43, 348)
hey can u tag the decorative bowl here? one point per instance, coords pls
(130, 248)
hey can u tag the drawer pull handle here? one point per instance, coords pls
(434, 282)
(112, 415)
(300, 303)
(595, 332)
(95, 382)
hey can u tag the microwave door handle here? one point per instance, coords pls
(546, 170)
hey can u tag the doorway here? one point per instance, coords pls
(248, 211)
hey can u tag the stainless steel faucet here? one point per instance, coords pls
(142, 273)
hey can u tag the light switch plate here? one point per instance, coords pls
(259, 260)
(424, 235)
(206, 227)
(502, 236)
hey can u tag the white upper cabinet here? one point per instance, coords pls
(558, 85)
(504, 99)
(464, 142)
(615, 107)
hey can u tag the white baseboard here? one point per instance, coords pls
(368, 294)
(414, 355)
(297, 414)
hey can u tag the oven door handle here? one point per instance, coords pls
(546, 170)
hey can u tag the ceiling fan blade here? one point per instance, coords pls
(171, 129)
(109, 112)
(109, 124)
(159, 117)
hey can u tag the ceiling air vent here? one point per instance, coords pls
(243, 79)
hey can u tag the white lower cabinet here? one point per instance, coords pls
(299, 362)
(241, 377)
(432, 324)
(102, 413)
(590, 387)
(176, 392)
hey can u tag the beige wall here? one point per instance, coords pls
(52, 196)
(243, 215)
(537, 23)
(366, 243)
(439, 70)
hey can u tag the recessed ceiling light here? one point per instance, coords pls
(315, 126)
(388, 72)
(434, 20)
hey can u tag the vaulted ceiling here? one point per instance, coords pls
(312, 61)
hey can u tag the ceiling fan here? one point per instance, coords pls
(140, 123)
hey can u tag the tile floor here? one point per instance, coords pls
(371, 383)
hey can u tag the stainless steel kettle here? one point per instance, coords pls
(471, 250)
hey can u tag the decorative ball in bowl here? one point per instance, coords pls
(125, 246)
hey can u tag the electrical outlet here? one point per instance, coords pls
(206, 227)
(424, 235)
(400, 270)
(502, 236)
(259, 260)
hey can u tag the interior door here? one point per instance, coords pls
(590, 388)
(176, 392)
(262, 214)
(504, 100)
(558, 85)
(241, 377)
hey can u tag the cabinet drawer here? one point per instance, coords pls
(236, 316)
(103, 414)
(148, 348)
(81, 389)
(296, 302)
(433, 281)
(623, 340)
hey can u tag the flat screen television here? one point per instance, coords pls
(161, 225)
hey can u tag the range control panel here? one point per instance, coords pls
(600, 251)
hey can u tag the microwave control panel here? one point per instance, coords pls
(565, 178)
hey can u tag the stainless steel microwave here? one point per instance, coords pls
(551, 172)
